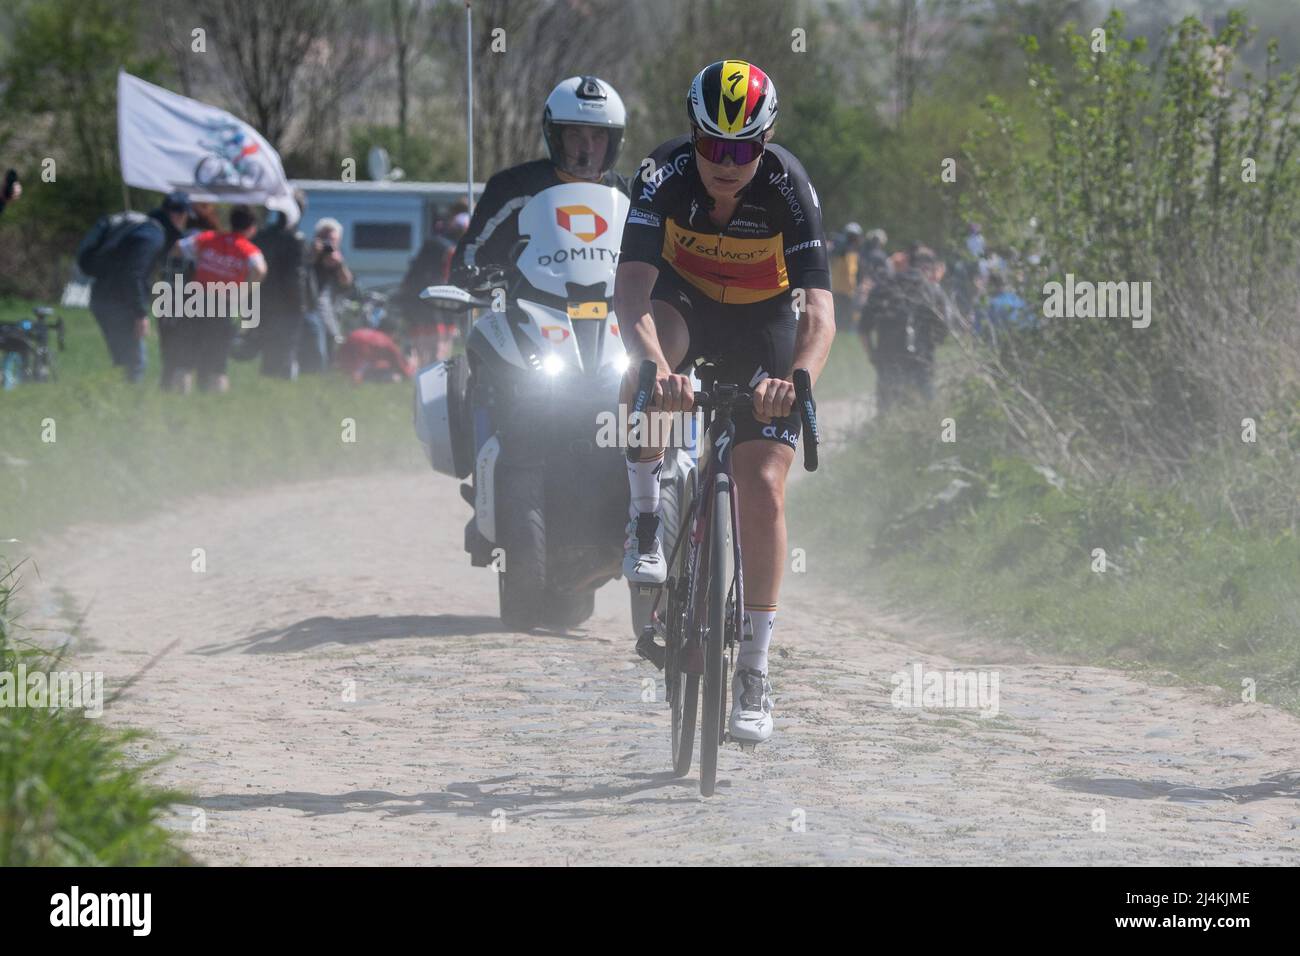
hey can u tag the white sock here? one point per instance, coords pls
(643, 477)
(761, 620)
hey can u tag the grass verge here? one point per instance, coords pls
(69, 793)
(91, 447)
(1012, 550)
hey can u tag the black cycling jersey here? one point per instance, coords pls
(773, 243)
(494, 227)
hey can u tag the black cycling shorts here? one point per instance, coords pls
(743, 343)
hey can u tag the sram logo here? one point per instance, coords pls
(583, 221)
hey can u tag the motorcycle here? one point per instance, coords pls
(529, 414)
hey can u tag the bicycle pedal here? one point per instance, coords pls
(747, 745)
(647, 647)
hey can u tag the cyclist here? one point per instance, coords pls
(723, 239)
(583, 128)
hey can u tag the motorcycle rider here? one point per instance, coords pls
(723, 230)
(582, 126)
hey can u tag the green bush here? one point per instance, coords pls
(1174, 171)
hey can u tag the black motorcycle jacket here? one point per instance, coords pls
(494, 228)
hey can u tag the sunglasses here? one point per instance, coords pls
(717, 150)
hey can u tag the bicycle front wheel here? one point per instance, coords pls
(683, 689)
(719, 583)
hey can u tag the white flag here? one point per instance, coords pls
(170, 142)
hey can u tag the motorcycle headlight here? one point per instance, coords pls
(552, 364)
(621, 363)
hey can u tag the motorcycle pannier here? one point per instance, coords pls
(443, 421)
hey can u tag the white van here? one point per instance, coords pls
(384, 223)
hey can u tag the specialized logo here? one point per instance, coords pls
(583, 221)
(727, 269)
(742, 91)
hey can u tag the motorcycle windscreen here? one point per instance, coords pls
(574, 231)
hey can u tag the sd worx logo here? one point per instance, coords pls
(583, 221)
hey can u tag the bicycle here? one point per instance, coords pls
(704, 617)
(25, 354)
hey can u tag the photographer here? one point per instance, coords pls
(325, 278)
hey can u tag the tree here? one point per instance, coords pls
(405, 18)
(262, 48)
(522, 48)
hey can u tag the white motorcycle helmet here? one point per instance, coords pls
(584, 101)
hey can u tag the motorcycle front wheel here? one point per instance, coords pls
(521, 533)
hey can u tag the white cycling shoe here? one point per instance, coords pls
(751, 706)
(643, 555)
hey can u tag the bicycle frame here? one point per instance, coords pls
(715, 463)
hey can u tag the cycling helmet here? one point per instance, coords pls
(732, 99)
(584, 101)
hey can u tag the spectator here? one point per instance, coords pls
(1004, 310)
(909, 315)
(844, 275)
(12, 189)
(172, 344)
(219, 258)
(432, 330)
(326, 277)
(873, 268)
(975, 241)
(282, 293)
(371, 355)
(120, 300)
(875, 261)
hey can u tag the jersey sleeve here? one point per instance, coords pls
(643, 232)
(805, 250)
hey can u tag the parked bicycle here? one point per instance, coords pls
(25, 354)
(704, 616)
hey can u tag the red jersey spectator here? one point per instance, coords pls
(220, 258)
(372, 355)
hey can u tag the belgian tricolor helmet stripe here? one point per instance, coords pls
(732, 99)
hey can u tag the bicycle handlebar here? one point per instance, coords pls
(739, 398)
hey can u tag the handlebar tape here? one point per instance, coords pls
(808, 415)
(645, 390)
